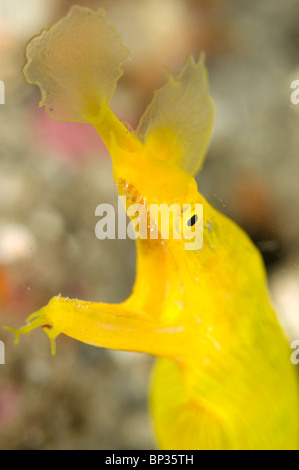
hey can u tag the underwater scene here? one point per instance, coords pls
(149, 229)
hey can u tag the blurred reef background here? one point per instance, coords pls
(53, 175)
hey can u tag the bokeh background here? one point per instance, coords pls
(53, 175)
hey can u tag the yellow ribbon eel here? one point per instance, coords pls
(223, 379)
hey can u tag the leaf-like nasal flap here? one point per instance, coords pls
(76, 63)
(177, 125)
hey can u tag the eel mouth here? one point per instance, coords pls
(150, 230)
(130, 192)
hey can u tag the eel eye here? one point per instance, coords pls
(191, 222)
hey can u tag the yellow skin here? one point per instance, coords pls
(223, 379)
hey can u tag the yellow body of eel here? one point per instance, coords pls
(223, 379)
